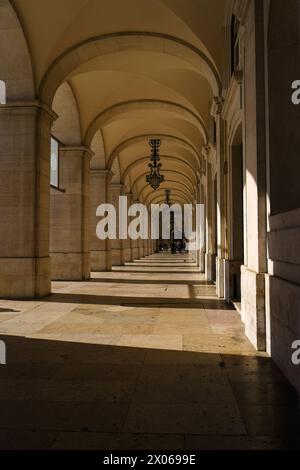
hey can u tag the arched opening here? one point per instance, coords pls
(237, 215)
(215, 228)
(69, 211)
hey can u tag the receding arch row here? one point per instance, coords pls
(142, 41)
(141, 138)
(141, 160)
(146, 192)
(115, 111)
(159, 196)
(173, 172)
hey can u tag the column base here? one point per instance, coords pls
(70, 266)
(135, 253)
(116, 257)
(126, 255)
(233, 280)
(100, 261)
(210, 267)
(220, 277)
(253, 307)
(25, 278)
(201, 261)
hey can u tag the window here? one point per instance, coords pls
(235, 52)
(54, 173)
(2, 92)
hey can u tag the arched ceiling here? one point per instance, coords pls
(137, 69)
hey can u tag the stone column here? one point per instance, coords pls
(115, 191)
(149, 241)
(135, 244)
(201, 229)
(193, 252)
(149, 246)
(69, 217)
(210, 256)
(25, 132)
(146, 252)
(254, 271)
(135, 249)
(127, 244)
(100, 249)
(140, 249)
(221, 215)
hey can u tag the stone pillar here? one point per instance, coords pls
(135, 244)
(149, 246)
(25, 132)
(201, 250)
(254, 271)
(210, 256)
(146, 248)
(127, 244)
(115, 191)
(221, 215)
(69, 217)
(193, 252)
(100, 249)
(135, 249)
(141, 248)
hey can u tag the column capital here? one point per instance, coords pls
(85, 151)
(117, 186)
(94, 171)
(18, 107)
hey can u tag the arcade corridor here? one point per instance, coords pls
(143, 357)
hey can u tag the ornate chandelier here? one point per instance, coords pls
(155, 178)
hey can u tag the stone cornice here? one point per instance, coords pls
(36, 104)
(84, 150)
(101, 173)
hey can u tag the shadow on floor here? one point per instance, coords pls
(65, 395)
(8, 310)
(119, 280)
(149, 302)
(149, 272)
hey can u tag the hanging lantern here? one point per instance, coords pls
(155, 178)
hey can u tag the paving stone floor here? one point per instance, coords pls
(143, 357)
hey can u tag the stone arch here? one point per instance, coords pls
(116, 172)
(182, 183)
(154, 198)
(92, 48)
(145, 105)
(69, 211)
(132, 166)
(98, 161)
(67, 127)
(15, 62)
(142, 138)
